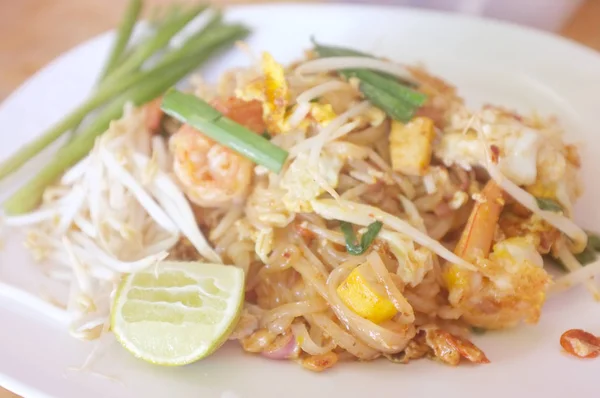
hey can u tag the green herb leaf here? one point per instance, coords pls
(593, 241)
(266, 135)
(478, 330)
(352, 245)
(315, 100)
(549, 205)
(587, 256)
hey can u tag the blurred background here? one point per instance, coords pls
(33, 32)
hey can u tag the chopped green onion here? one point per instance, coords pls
(352, 245)
(123, 36)
(211, 35)
(156, 42)
(395, 108)
(587, 256)
(381, 80)
(392, 87)
(478, 330)
(593, 241)
(549, 205)
(387, 92)
(199, 38)
(200, 115)
(332, 51)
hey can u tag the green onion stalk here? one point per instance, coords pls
(137, 87)
(387, 92)
(197, 113)
(212, 35)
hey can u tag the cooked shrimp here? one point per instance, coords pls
(247, 113)
(450, 349)
(510, 284)
(153, 115)
(211, 174)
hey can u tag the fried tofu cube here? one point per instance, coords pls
(411, 146)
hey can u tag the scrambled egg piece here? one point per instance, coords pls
(373, 117)
(530, 152)
(541, 234)
(272, 90)
(414, 264)
(263, 245)
(363, 295)
(273, 93)
(276, 94)
(509, 287)
(518, 152)
(542, 190)
(322, 113)
(411, 146)
(300, 185)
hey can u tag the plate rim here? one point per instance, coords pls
(21, 387)
(351, 6)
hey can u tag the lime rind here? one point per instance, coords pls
(181, 315)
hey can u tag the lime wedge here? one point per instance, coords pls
(180, 314)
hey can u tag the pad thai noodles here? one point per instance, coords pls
(398, 223)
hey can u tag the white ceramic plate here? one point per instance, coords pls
(488, 61)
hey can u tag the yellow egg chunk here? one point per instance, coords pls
(362, 297)
(411, 146)
(276, 94)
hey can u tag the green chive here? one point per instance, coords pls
(412, 97)
(395, 108)
(549, 205)
(156, 42)
(387, 92)
(381, 80)
(593, 241)
(123, 36)
(197, 113)
(587, 256)
(352, 245)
